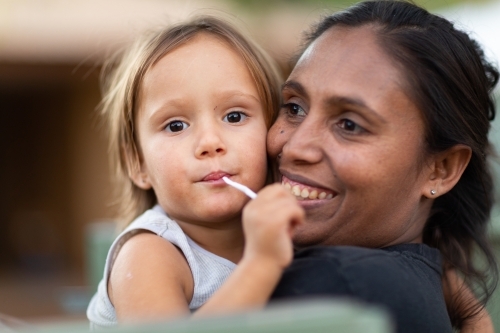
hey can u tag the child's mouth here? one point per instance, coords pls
(215, 176)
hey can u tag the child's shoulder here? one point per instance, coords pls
(146, 246)
(148, 267)
(153, 231)
(154, 220)
(151, 260)
(156, 225)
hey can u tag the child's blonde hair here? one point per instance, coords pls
(122, 85)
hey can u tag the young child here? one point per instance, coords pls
(187, 106)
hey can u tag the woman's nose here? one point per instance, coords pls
(305, 144)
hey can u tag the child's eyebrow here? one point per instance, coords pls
(169, 103)
(237, 93)
(178, 103)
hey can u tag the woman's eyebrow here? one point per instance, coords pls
(295, 86)
(343, 100)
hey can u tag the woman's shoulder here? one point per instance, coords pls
(362, 258)
(405, 279)
(358, 270)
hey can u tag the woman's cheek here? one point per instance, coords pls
(277, 137)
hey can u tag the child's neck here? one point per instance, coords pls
(223, 239)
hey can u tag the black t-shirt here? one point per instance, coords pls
(405, 279)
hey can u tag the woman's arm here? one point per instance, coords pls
(461, 298)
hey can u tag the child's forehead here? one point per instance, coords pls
(201, 39)
(203, 66)
(199, 54)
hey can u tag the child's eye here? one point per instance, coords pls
(176, 126)
(235, 117)
(350, 126)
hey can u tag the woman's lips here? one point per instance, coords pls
(305, 192)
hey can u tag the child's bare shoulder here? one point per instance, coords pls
(149, 267)
(145, 246)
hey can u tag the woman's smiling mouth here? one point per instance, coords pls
(305, 192)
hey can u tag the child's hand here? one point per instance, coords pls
(268, 224)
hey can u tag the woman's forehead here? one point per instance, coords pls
(353, 48)
(350, 62)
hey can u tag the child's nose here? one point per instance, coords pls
(210, 145)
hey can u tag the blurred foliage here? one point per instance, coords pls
(338, 4)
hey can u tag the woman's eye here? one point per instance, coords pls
(176, 126)
(350, 126)
(235, 117)
(294, 110)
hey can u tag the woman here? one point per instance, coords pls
(387, 112)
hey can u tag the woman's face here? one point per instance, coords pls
(350, 145)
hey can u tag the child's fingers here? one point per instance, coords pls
(274, 208)
(275, 211)
(297, 219)
(294, 211)
(276, 190)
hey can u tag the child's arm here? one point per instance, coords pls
(150, 280)
(268, 222)
(455, 290)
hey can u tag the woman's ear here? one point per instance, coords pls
(446, 169)
(136, 169)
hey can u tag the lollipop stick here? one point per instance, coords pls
(240, 187)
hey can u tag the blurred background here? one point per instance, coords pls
(56, 199)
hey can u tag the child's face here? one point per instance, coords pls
(200, 118)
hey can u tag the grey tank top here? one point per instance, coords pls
(209, 270)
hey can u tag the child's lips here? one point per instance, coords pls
(216, 176)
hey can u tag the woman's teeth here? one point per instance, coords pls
(304, 193)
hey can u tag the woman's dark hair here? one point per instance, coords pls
(450, 81)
